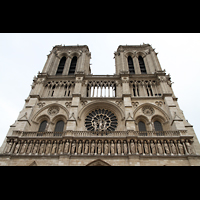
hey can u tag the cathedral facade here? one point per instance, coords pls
(72, 117)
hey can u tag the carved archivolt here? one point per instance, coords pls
(50, 111)
(101, 105)
(149, 110)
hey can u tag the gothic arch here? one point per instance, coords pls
(59, 117)
(164, 116)
(61, 54)
(140, 53)
(129, 53)
(99, 104)
(39, 113)
(98, 162)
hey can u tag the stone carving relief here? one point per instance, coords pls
(68, 104)
(147, 110)
(53, 110)
(159, 103)
(41, 104)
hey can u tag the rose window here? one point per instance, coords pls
(101, 120)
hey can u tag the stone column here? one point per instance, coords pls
(115, 142)
(95, 151)
(128, 145)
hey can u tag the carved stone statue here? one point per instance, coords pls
(86, 147)
(160, 151)
(66, 149)
(106, 148)
(99, 147)
(146, 149)
(23, 149)
(189, 147)
(139, 146)
(95, 125)
(166, 147)
(17, 147)
(29, 147)
(35, 149)
(73, 147)
(79, 147)
(42, 148)
(180, 146)
(92, 147)
(54, 147)
(125, 147)
(173, 148)
(112, 147)
(118, 147)
(48, 148)
(132, 147)
(60, 148)
(9, 145)
(105, 125)
(153, 147)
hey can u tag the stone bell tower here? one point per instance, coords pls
(73, 117)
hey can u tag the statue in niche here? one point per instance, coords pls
(118, 147)
(35, 149)
(17, 147)
(79, 147)
(48, 148)
(60, 147)
(112, 147)
(166, 147)
(189, 147)
(139, 146)
(66, 149)
(173, 148)
(153, 147)
(73, 147)
(105, 125)
(100, 124)
(29, 147)
(180, 146)
(125, 147)
(95, 125)
(99, 147)
(86, 147)
(160, 151)
(54, 147)
(42, 148)
(132, 147)
(92, 147)
(9, 145)
(106, 147)
(146, 149)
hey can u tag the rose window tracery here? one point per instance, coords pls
(101, 120)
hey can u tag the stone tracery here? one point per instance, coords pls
(101, 120)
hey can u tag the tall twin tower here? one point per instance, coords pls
(72, 117)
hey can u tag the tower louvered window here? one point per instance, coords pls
(42, 126)
(141, 126)
(73, 66)
(130, 65)
(61, 66)
(142, 65)
(158, 126)
(59, 126)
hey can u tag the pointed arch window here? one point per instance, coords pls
(42, 126)
(61, 66)
(158, 126)
(59, 126)
(73, 66)
(142, 65)
(141, 126)
(130, 65)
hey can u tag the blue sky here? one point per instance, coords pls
(22, 55)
